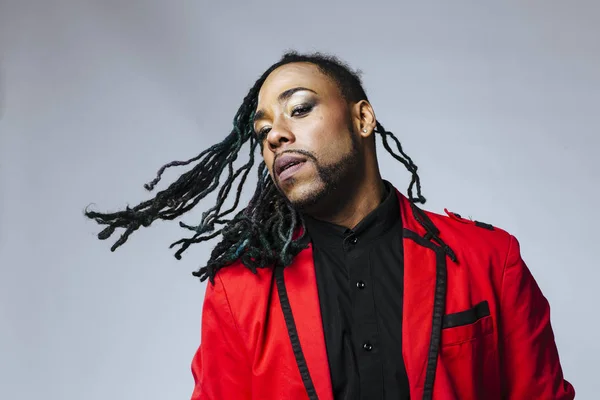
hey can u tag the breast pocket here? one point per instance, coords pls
(468, 353)
(467, 325)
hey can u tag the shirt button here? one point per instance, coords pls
(361, 285)
(367, 346)
(353, 240)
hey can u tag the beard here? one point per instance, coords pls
(333, 177)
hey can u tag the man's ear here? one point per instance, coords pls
(363, 118)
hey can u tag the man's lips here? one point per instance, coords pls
(288, 164)
(288, 172)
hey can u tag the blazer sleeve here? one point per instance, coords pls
(220, 367)
(530, 362)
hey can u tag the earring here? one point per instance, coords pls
(365, 130)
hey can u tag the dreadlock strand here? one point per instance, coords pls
(405, 160)
(150, 185)
(185, 243)
(211, 216)
(290, 234)
(226, 188)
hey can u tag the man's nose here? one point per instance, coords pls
(279, 136)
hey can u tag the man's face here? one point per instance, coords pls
(304, 125)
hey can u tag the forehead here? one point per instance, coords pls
(296, 75)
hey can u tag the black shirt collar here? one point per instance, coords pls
(372, 227)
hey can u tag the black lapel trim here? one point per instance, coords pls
(439, 304)
(293, 334)
(420, 240)
(432, 232)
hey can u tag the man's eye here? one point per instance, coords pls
(262, 134)
(301, 110)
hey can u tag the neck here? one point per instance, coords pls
(350, 205)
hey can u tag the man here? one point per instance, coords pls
(330, 284)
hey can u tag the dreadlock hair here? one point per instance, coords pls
(268, 231)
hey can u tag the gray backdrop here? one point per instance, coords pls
(497, 102)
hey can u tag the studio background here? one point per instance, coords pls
(496, 102)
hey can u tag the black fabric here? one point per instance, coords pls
(360, 274)
(439, 304)
(484, 225)
(467, 317)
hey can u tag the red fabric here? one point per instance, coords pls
(511, 354)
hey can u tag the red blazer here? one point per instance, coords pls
(475, 323)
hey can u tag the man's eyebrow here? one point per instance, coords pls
(283, 96)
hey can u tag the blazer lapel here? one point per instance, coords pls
(304, 309)
(422, 261)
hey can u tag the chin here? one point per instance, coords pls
(304, 196)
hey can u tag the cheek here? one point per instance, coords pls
(328, 134)
(267, 156)
(334, 141)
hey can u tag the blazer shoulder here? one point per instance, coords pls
(463, 232)
(241, 284)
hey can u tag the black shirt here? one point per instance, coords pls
(360, 282)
